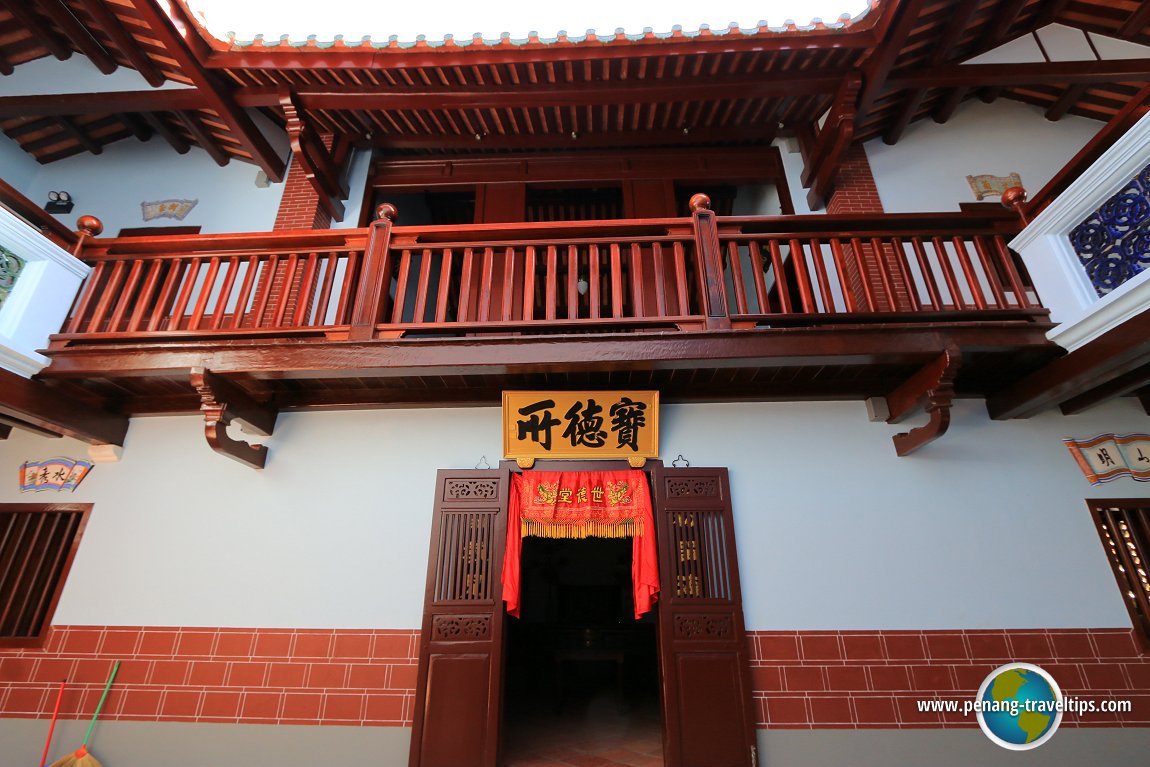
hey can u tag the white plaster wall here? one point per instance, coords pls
(357, 186)
(17, 167)
(793, 167)
(112, 185)
(985, 528)
(926, 171)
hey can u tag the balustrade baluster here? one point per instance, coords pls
(467, 285)
(616, 281)
(781, 286)
(682, 287)
(349, 289)
(485, 293)
(878, 250)
(572, 282)
(189, 278)
(638, 298)
(510, 282)
(864, 277)
(323, 301)
(423, 286)
(444, 294)
(270, 267)
(529, 284)
(126, 294)
(802, 277)
(968, 270)
(907, 275)
(225, 293)
(594, 287)
(401, 281)
(760, 278)
(304, 305)
(991, 275)
(205, 294)
(948, 276)
(1006, 258)
(928, 277)
(843, 277)
(144, 299)
(735, 264)
(821, 278)
(552, 282)
(660, 279)
(111, 292)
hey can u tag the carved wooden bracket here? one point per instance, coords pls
(324, 169)
(221, 402)
(824, 153)
(931, 388)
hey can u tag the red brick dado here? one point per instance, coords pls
(874, 679)
(223, 675)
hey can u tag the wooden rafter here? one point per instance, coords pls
(102, 103)
(1066, 101)
(23, 12)
(31, 402)
(79, 135)
(79, 35)
(758, 134)
(830, 143)
(140, 129)
(1136, 22)
(954, 30)
(126, 44)
(192, 122)
(878, 68)
(5, 65)
(932, 389)
(222, 401)
(219, 96)
(174, 140)
(315, 160)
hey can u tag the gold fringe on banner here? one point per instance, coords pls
(589, 528)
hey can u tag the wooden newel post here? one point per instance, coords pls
(1015, 198)
(709, 257)
(374, 276)
(87, 228)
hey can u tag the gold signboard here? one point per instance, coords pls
(580, 424)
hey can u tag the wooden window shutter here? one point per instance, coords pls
(707, 712)
(459, 685)
(37, 545)
(1124, 526)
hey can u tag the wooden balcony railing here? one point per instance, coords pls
(632, 275)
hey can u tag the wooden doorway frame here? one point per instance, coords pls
(705, 681)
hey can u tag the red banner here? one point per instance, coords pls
(598, 504)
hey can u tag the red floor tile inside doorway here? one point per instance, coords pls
(598, 731)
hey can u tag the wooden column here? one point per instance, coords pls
(709, 258)
(374, 276)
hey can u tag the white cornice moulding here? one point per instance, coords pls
(1057, 271)
(41, 297)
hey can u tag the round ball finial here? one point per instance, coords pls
(1013, 196)
(386, 211)
(90, 225)
(699, 202)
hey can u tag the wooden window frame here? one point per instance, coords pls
(1129, 519)
(50, 590)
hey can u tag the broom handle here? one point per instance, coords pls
(100, 705)
(52, 727)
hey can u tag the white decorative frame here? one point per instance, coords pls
(1056, 269)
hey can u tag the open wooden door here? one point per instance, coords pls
(707, 720)
(459, 687)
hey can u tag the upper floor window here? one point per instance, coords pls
(1124, 525)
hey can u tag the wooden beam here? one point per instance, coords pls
(1003, 21)
(203, 138)
(33, 402)
(126, 44)
(1065, 102)
(222, 401)
(1119, 386)
(931, 388)
(28, 18)
(314, 159)
(102, 103)
(176, 141)
(954, 29)
(878, 69)
(79, 35)
(1036, 73)
(1136, 22)
(5, 431)
(530, 96)
(139, 128)
(831, 143)
(5, 66)
(219, 97)
(1115, 353)
(759, 134)
(79, 135)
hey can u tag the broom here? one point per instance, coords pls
(52, 727)
(80, 757)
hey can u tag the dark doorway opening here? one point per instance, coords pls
(582, 675)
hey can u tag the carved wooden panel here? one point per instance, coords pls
(464, 571)
(460, 628)
(466, 489)
(685, 487)
(703, 626)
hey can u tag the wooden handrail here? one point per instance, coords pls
(703, 272)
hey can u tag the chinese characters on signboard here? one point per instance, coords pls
(53, 474)
(593, 424)
(1109, 456)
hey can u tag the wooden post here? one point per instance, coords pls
(374, 276)
(88, 227)
(1015, 199)
(710, 262)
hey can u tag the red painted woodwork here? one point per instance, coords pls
(707, 714)
(460, 684)
(707, 271)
